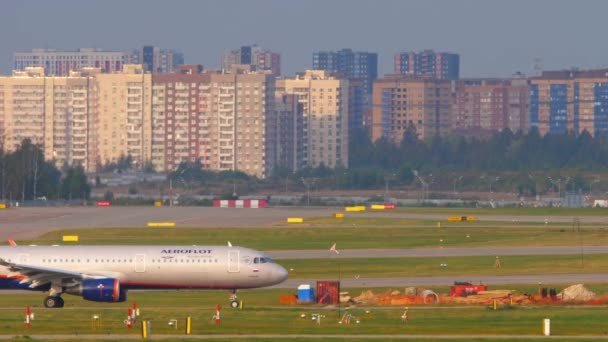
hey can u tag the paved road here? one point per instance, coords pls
(24, 223)
(435, 252)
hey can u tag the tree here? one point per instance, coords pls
(74, 184)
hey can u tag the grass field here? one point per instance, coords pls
(353, 233)
(456, 266)
(263, 316)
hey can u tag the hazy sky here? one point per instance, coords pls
(493, 38)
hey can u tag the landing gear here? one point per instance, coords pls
(234, 302)
(53, 302)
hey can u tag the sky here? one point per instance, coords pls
(493, 38)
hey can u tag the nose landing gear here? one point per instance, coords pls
(234, 301)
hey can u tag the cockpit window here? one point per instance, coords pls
(256, 260)
(266, 260)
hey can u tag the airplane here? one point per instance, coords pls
(106, 273)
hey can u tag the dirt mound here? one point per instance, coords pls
(366, 297)
(576, 293)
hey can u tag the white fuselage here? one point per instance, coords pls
(160, 267)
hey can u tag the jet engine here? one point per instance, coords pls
(100, 290)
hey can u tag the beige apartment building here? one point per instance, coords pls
(54, 112)
(238, 121)
(403, 101)
(124, 116)
(324, 105)
(225, 120)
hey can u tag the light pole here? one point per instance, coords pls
(307, 185)
(558, 182)
(387, 178)
(455, 182)
(425, 185)
(491, 182)
(597, 180)
(535, 186)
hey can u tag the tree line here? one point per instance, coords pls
(26, 175)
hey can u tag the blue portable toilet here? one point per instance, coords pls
(306, 294)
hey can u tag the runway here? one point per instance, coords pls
(29, 222)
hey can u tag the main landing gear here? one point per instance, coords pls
(53, 302)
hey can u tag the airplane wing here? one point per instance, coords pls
(37, 276)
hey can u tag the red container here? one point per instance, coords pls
(328, 292)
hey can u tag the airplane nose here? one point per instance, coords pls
(280, 274)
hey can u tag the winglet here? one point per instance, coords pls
(229, 244)
(12, 242)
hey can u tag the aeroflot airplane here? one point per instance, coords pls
(106, 273)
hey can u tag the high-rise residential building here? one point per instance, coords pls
(224, 120)
(177, 125)
(124, 116)
(485, 105)
(439, 65)
(60, 63)
(290, 131)
(570, 100)
(257, 57)
(354, 65)
(54, 112)
(324, 107)
(402, 103)
(157, 60)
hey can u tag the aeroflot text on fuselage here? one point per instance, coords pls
(186, 251)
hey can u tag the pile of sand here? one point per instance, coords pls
(366, 297)
(576, 293)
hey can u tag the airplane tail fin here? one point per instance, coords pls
(12, 242)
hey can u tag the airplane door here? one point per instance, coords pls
(24, 258)
(140, 263)
(233, 261)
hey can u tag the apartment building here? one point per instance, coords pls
(401, 102)
(258, 58)
(156, 59)
(361, 69)
(290, 131)
(570, 101)
(324, 105)
(54, 112)
(486, 105)
(238, 113)
(440, 65)
(61, 63)
(124, 118)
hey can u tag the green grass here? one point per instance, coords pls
(353, 237)
(264, 316)
(575, 212)
(456, 266)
